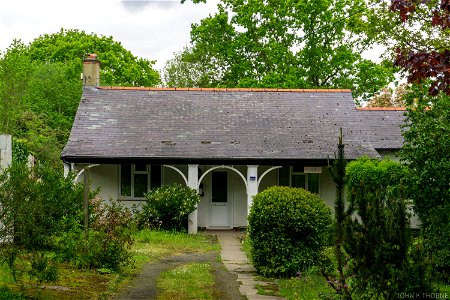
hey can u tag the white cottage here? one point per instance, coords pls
(229, 144)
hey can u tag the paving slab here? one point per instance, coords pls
(236, 262)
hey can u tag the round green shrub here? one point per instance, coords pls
(288, 227)
(168, 208)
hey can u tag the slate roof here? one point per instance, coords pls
(232, 125)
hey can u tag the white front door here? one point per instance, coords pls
(219, 200)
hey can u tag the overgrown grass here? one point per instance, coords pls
(152, 245)
(246, 247)
(8, 294)
(306, 287)
(309, 286)
(189, 281)
(74, 283)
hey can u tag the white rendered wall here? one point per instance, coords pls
(203, 206)
(239, 201)
(5, 151)
(327, 189)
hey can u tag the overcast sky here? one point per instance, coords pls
(150, 29)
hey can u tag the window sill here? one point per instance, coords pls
(131, 199)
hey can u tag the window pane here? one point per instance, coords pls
(219, 187)
(125, 180)
(155, 180)
(313, 183)
(140, 185)
(284, 176)
(298, 181)
(140, 167)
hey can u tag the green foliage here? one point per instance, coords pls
(15, 70)
(425, 151)
(8, 294)
(416, 34)
(338, 174)
(281, 44)
(107, 243)
(188, 281)
(21, 262)
(119, 66)
(168, 208)
(10, 255)
(42, 210)
(377, 241)
(288, 227)
(40, 85)
(42, 269)
(39, 105)
(309, 285)
(33, 201)
(20, 151)
(112, 228)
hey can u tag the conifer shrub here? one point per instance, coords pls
(383, 259)
(288, 228)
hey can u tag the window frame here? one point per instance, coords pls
(133, 172)
(293, 173)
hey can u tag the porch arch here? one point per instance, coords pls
(223, 167)
(179, 172)
(266, 172)
(82, 170)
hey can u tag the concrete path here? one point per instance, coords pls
(237, 263)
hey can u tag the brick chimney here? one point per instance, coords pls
(91, 70)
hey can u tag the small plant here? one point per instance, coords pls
(168, 208)
(11, 255)
(8, 294)
(288, 227)
(42, 269)
(105, 245)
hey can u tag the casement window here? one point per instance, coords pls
(295, 177)
(138, 179)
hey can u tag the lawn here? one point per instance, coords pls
(188, 281)
(74, 283)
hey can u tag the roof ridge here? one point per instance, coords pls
(224, 89)
(380, 108)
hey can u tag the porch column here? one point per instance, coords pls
(252, 185)
(193, 183)
(66, 169)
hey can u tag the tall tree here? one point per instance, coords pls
(286, 44)
(388, 97)
(15, 70)
(186, 70)
(426, 151)
(417, 33)
(119, 65)
(40, 85)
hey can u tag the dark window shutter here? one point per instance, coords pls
(155, 179)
